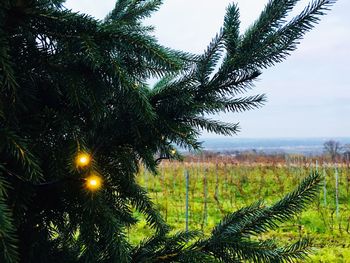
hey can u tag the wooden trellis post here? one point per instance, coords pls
(205, 196)
(336, 190)
(324, 185)
(187, 191)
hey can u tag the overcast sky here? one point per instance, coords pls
(308, 94)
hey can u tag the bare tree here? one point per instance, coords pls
(332, 148)
(346, 151)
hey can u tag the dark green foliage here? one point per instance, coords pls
(71, 83)
(8, 240)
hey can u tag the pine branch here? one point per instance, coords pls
(128, 11)
(213, 125)
(278, 45)
(298, 251)
(228, 82)
(167, 249)
(269, 20)
(270, 41)
(145, 48)
(8, 81)
(136, 98)
(208, 61)
(234, 104)
(169, 89)
(257, 219)
(231, 236)
(8, 238)
(231, 29)
(17, 148)
(139, 199)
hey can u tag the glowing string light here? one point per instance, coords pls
(83, 159)
(173, 151)
(93, 182)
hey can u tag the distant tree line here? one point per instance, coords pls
(335, 150)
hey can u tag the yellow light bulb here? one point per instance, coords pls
(173, 152)
(83, 159)
(93, 182)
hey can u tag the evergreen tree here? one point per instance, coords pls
(77, 119)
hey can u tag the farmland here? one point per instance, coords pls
(220, 185)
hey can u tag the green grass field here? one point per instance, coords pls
(216, 189)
